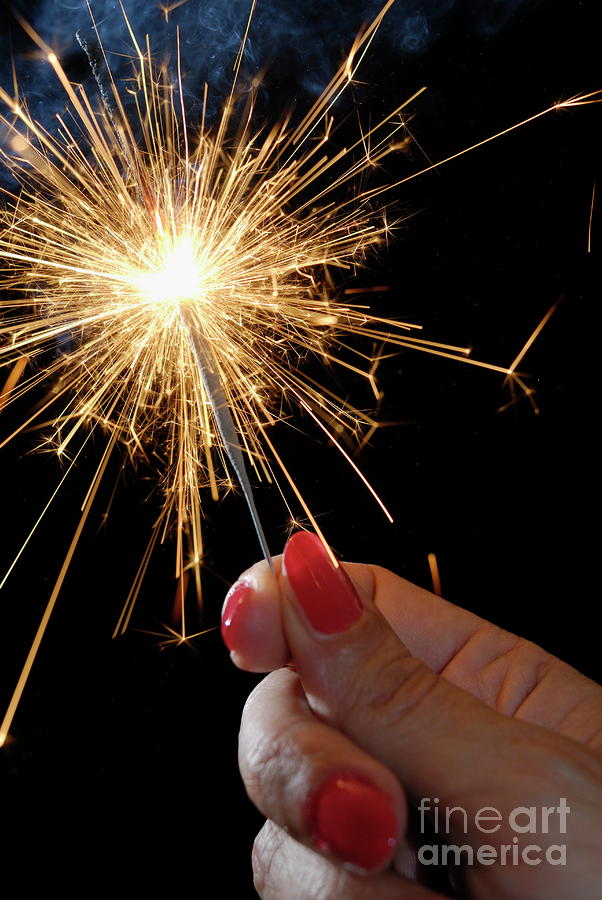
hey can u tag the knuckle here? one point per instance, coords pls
(283, 868)
(266, 847)
(261, 759)
(391, 689)
(334, 884)
(330, 887)
(275, 762)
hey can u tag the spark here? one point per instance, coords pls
(591, 219)
(190, 274)
(167, 8)
(513, 378)
(435, 576)
(12, 380)
(171, 637)
(533, 337)
(579, 100)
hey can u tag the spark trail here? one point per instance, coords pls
(190, 275)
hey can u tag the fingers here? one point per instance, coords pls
(303, 750)
(251, 620)
(252, 624)
(512, 675)
(359, 677)
(284, 868)
(310, 779)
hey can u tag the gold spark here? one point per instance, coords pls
(167, 8)
(591, 218)
(170, 637)
(513, 378)
(12, 380)
(435, 576)
(125, 234)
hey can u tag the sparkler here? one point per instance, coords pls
(188, 276)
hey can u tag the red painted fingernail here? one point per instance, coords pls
(238, 594)
(354, 820)
(327, 596)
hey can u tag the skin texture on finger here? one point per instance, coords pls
(283, 868)
(440, 741)
(252, 622)
(295, 767)
(511, 675)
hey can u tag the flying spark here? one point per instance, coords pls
(186, 277)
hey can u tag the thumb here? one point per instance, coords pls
(357, 674)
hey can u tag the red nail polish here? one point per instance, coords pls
(325, 592)
(354, 820)
(238, 594)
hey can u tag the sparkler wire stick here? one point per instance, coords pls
(199, 342)
(185, 276)
(212, 383)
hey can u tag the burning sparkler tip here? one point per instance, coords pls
(170, 289)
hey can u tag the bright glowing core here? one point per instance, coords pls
(180, 276)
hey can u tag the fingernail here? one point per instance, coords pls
(354, 820)
(327, 596)
(236, 597)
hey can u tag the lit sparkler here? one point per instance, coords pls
(189, 275)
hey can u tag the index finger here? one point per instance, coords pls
(431, 628)
(510, 674)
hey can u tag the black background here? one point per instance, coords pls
(507, 500)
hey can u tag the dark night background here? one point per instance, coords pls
(505, 499)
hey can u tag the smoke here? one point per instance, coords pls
(492, 15)
(299, 43)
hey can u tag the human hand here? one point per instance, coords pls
(402, 705)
